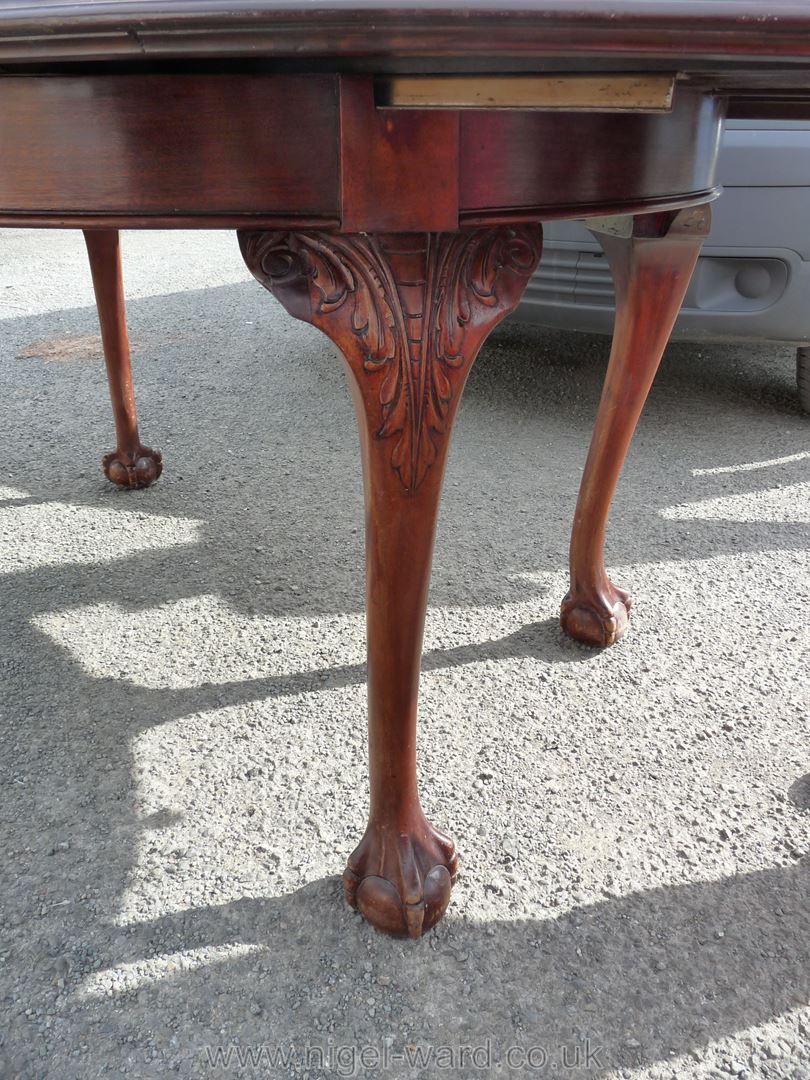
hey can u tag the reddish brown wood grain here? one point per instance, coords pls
(651, 259)
(409, 313)
(709, 36)
(547, 162)
(147, 144)
(130, 465)
(154, 150)
(386, 158)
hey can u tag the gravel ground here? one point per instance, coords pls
(183, 715)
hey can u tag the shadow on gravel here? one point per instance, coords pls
(274, 478)
(799, 792)
(636, 979)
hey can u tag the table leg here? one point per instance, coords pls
(409, 313)
(652, 257)
(130, 465)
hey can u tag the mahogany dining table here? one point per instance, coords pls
(387, 167)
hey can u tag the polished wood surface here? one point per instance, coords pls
(403, 234)
(152, 145)
(130, 465)
(725, 40)
(541, 161)
(651, 259)
(409, 313)
(385, 159)
(166, 150)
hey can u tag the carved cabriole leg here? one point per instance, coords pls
(652, 258)
(409, 313)
(130, 465)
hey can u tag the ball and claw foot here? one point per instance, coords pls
(400, 881)
(136, 469)
(598, 620)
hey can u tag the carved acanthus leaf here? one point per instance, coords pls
(460, 275)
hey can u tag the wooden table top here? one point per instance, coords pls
(735, 44)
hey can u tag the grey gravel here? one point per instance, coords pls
(183, 734)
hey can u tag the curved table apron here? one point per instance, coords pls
(406, 235)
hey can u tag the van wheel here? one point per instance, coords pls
(803, 377)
